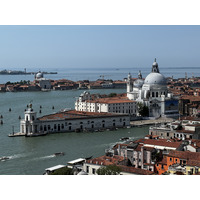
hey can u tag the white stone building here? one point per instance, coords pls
(105, 105)
(70, 121)
(44, 83)
(153, 93)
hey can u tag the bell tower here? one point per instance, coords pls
(30, 115)
(129, 83)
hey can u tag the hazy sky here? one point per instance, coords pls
(98, 46)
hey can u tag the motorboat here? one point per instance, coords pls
(124, 138)
(4, 158)
(59, 154)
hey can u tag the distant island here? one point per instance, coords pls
(16, 72)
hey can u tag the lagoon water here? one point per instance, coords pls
(109, 73)
(34, 155)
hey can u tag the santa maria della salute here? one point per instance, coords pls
(153, 93)
(150, 92)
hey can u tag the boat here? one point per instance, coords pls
(88, 158)
(59, 154)
(36, 135)
(124, 138)
(4, 158)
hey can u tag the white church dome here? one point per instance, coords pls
(39, 75)
(138, 83)
(155, 78)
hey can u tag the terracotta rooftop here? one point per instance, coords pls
(106, 160)
(121, 145)
(185, 155)
(112, 100)
(161, 142)
(135, 170)
(73, 114)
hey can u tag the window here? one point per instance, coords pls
(170, 159)
(55, 126)
(156, 94)
(167, 134)
(152, 94)
(93, 170)
(62, 126)
(162, 167)
(87, 169)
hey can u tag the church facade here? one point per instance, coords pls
(153, 93)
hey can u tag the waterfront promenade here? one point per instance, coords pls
(151, 121)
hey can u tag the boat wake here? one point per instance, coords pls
(16, 156)
(45, 157)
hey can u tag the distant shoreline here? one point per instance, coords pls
(23, 73)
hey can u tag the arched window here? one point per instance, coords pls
(26, 118)
(156, 94)
(33, 118)
(152, 94)
(55, 126)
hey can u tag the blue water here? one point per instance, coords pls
(33, 155)
(109, 73)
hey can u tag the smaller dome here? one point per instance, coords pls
(138, 83)
(39, 75)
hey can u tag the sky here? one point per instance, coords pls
(98, 46)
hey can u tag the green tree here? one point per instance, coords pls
(109, 170)
(143, 109)
(63, 171)
(112, 95)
